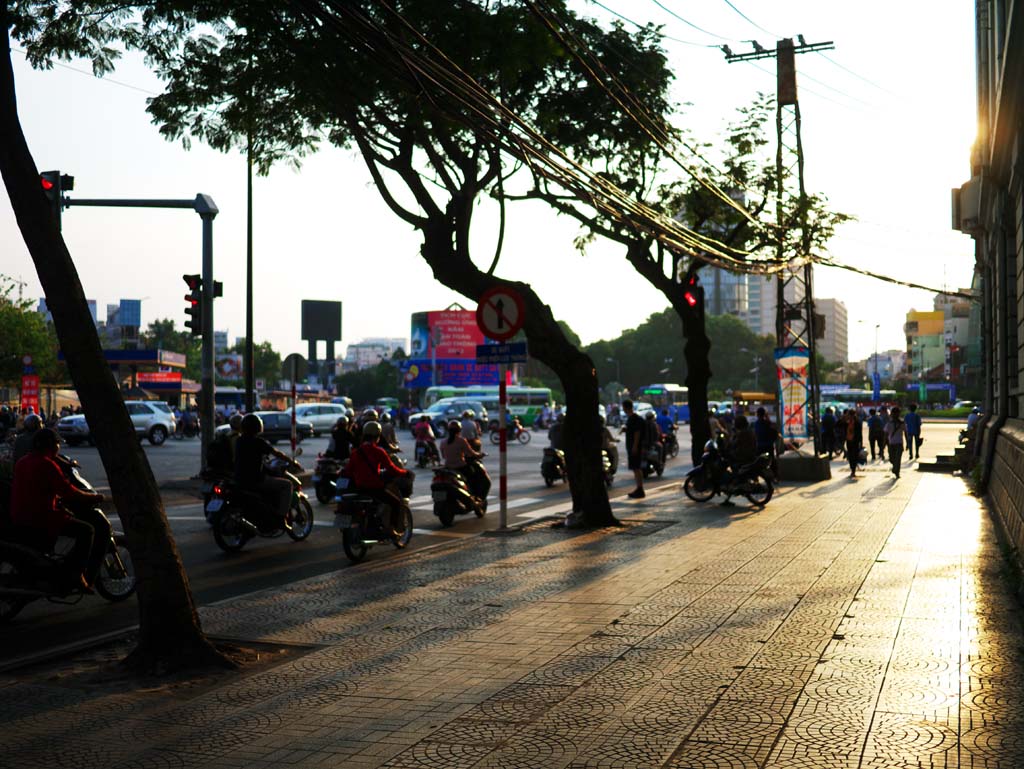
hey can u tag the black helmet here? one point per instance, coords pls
(371, 430)
(251, 424)
(236, 421)
(32, 423)
(454, 426)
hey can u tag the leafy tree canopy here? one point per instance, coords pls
(23, 331)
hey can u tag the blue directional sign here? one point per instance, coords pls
(514, 352)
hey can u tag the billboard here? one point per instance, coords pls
(229, 366)
(321, 320)
(793, 366)
(442, 350)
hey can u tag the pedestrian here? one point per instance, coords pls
(853, 438)
(876, 435)
(635, 429)
(767, 438)
(914, 439)
(828, 432)
(894, 432)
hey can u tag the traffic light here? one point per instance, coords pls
(194, 306)
(694, 294)
(55, 184)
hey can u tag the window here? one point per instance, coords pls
(136, 409)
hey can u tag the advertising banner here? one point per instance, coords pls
(792, 364)
(445, 334)
(158, 377)
(30, 392)
(229, 366)
(452, 371)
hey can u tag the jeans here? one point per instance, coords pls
(895, 457)
(913, 447)
(879, 440)
(77, 558)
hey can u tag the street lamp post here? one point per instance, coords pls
(756, 371)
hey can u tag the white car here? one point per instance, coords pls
(322, 416)
(153, 420)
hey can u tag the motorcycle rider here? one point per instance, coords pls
(23, 443)
(250, 470)
(38, 483)
(368, 466)
(634, 447)
(425, 433)
(220, 457)
(388, 439)
(742, 451)
(556, 437)
(341, 440)
(458, 455)
(609, 444)
(470, 429)
(653, 437)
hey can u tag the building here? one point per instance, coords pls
(989, 207)
(926, 343)
(888, 364)
(725, 293)
(220, 342)
(834, 347)
(43, 310)
(370, 352)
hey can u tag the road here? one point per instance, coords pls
(216, 576)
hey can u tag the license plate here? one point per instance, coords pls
(343, 521)
(316, 479)
(440, 496)
(214, 505)
(342, 483)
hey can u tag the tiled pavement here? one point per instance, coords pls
(848, 624)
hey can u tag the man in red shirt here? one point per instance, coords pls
(368, 466)
(38, 483)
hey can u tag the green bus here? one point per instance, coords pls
(523, 402)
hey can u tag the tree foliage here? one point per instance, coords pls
(23, 331)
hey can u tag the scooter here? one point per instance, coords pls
(240, 514)
(653, 463)
(426, 452)
(671, 443)
(552, 466)
(325, 478)
(363, 520)
(715, 475)
(607, 468)
(186, 430)
(30, 569)
(453, 496)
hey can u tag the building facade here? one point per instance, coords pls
(989, 207)
(834, 347)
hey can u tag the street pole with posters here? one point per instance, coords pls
(293, 368)
(500, 316)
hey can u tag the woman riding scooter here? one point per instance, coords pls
(460, 456)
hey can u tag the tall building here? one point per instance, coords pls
(725, 293)
(220, 342)
(926, 342)
(835, 346)
(370, 352)
(43, 310)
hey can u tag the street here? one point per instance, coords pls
(216, 576)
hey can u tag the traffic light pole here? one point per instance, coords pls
(207, 210)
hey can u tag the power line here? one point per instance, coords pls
(644, 26)
(689, 23)
(856, 75)
(751, 21)
(101, 78)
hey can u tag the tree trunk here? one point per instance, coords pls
(547, 344)
(170, 634)
(697, 351)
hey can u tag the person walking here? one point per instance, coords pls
(876, 434)
(853, 440)
(894, 432)
(914, 440)
(767, 436)
(635, 429)
(828, 432)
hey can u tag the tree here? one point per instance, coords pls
(368, 384)
(266, 360)
(169, 629)
(277, 77)
(24, 332)
(163, 335)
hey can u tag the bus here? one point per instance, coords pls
(523, 402)
(673, 397)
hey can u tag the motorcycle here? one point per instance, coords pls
(654, 463)
(714, 475)
(671, 443)
(552, 466)
(516, 432)
(325, 478)
(363, 520)
(30, 570)
(607, 468)
(240, 514)
(453, 496)
(186, 430)
(426, 452)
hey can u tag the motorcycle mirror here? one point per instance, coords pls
(298, 451)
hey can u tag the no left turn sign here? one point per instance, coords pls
(500, 313)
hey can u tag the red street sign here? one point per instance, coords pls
(501, 313)
(30, 392)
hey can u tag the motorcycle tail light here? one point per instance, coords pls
(218, 490)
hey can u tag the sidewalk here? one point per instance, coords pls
(848, 624)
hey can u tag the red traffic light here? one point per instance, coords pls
(47, 184)
(690, 299)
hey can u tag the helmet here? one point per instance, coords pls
(468, 414)
(454, 426)
(350, 413)
(371, 430)
(342, 421)
(33, 423)
(370, 415)
(560, 418)
(976, 410)
(385, 417)
(650, 414)
(424, 418)
(236, 421)
(251, 424)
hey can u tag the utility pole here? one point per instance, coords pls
(795, 326)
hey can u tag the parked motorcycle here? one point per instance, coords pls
(715, 475)
(453, 495)
(363, 520)
(240, 514)
(29, 570)
(325, 478)
(552, 466)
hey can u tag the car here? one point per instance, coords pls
(964, 405)
(447, 409)
(322, 416)
(642, 407)
(277, 426)
(153, 420)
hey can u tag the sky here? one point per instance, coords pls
(887, 128)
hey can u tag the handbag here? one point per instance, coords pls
(862, 457)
